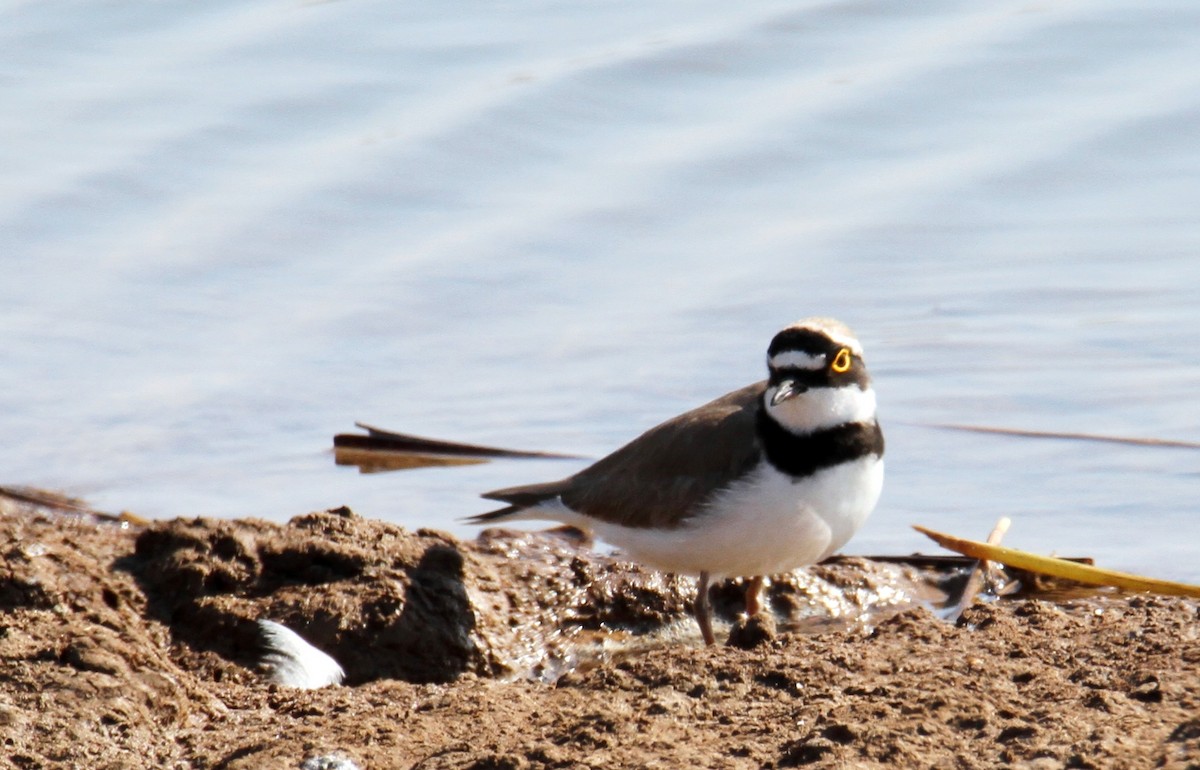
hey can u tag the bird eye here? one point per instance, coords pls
(841, 362)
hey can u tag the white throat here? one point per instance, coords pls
(821, 408)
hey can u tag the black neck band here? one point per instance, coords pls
(804, 455)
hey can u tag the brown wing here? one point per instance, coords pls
(660, 477)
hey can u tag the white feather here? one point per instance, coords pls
(796, 359)
(821, 408)
(293, 662)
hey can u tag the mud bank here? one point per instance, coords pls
(137, 646)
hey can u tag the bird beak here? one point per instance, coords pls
(787, 389)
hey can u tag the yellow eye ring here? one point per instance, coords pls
(841, 362)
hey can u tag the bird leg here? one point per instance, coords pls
(703, 611)
(753, 595)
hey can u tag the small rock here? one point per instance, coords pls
(748, 633)
(333, 761)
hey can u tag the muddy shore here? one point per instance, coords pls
(132, 646)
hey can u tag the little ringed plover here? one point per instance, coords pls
(768, 478)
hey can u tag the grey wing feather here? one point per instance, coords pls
(663, 476)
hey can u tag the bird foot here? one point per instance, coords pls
(703, 610)
(754, 595)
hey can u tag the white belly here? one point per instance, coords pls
(763, 525)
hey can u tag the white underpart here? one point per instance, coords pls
(796, 359)
(293, 662)
(764, 524)
(822, 408)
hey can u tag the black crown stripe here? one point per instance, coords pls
(804, 340)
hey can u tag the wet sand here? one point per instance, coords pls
(136, 646)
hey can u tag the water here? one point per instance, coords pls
(230, 230)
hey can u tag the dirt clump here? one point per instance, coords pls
(136, 646)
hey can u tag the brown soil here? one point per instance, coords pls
(127, 646)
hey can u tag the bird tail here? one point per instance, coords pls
(507, 512)
(519, 499)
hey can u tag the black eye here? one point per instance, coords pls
(841, 362)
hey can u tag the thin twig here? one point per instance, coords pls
(983, 568)
(1023, 433)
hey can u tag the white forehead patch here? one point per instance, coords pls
(796, 359)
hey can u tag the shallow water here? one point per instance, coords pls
(231, 230)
